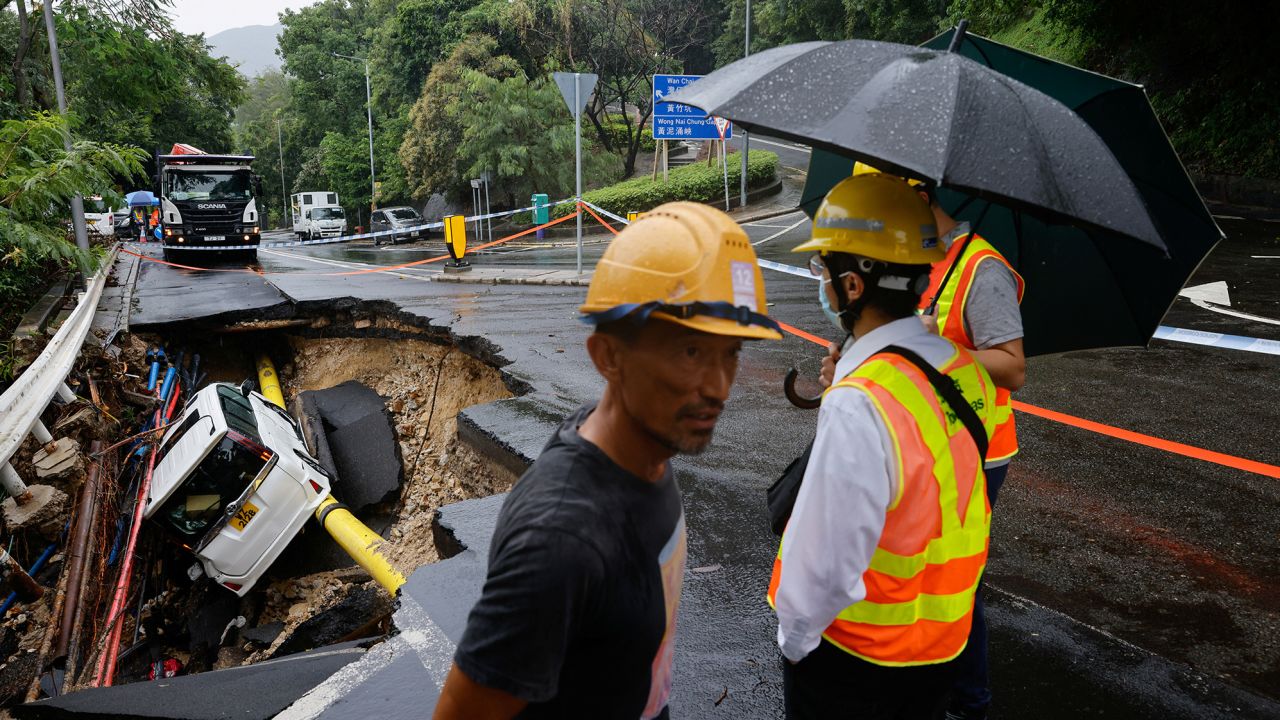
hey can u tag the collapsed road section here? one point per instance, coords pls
(199, 554)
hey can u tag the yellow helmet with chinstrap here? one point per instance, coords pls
(685, 263)
(876, 216)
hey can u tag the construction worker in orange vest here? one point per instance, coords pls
(973, 299)
(875, 577)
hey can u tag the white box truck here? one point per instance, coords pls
(317, 214)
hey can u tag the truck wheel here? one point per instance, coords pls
(170, 255)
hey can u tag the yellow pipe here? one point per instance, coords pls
(361, 543)
(269, 381)
(353, 536)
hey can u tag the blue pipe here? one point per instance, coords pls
(35, 568)
(167, 387)
(155, 374)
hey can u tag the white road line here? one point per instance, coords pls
(783, 231)
(1232, 313)
(346, 265)
(1265, 257)
(788, 146)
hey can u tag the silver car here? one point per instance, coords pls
(402, 222)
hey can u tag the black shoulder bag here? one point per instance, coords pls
(782, 493)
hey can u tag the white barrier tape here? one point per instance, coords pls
(606, 213)
(1222, 340)
(788, 269)
(1163, 332)
(360, 236)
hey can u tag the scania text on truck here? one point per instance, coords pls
(208, 201)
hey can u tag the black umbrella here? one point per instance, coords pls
(935, 115)
(1126, 293)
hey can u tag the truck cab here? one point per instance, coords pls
(233, 483)
(321, 221)
(208, 201)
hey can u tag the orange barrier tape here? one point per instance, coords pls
(1151, 441)
(599, 219)
(378, 269)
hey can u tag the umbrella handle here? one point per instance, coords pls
(800, 401)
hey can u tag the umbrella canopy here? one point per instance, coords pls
(1085, 288)
(932, 115)
(140, 198)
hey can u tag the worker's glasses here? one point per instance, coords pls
(816, 266)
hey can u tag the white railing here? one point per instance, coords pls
(24, 401)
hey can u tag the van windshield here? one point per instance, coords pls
(238, 411)
(327, 213)
(211, 487)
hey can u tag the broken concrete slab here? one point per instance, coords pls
(516, 276)
(48, 505)
(58, 459)
(361, 608)
(261, 690)
(361, 451)
(263, 634)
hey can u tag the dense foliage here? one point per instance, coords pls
(698, 182)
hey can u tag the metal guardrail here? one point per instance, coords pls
(24, 401)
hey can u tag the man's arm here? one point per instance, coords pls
(836, 524)
(464, 699)
(994, 322)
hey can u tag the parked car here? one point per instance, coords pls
(98, 217)
(398, 219)
(234, 483)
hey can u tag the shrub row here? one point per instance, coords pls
(696, 182)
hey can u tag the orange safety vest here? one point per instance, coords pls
(950, 313)
(925, 569)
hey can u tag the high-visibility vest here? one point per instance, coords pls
(926, 566)
(950, 314)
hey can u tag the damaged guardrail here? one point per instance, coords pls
(24, 401)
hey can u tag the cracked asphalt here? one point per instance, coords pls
(1128, 582)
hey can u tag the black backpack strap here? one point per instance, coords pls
(950, 393)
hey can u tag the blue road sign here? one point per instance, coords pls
(674, 121)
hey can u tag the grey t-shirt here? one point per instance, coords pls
(991, 314)
(578, 611)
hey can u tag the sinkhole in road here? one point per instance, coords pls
(315, 595)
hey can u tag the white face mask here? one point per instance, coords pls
(825, 300)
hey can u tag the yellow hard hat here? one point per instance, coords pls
(685, 263)
(876, 216)
(861, 168)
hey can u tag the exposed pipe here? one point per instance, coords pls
(26, 588)
(86, 519)
(269, 381)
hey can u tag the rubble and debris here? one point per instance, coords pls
(45, 511)
(58, 460)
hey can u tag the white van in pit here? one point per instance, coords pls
(233, 483)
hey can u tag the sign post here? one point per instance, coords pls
(575, 88)
(722, 125)
(455, 241)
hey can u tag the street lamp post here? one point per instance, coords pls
(746, 138)
(284, 198)
(77, 200)
(368, 105)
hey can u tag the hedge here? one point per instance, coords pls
(617, 132)
(696, 182)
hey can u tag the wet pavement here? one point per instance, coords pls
(1129, 582)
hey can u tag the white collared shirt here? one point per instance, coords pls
(840, 512)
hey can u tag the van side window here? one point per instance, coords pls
(306, 199)
(176, 435)
(333, 199)
(238, 411)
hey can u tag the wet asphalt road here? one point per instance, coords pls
(1129, 582)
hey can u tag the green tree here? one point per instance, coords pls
(429, 152)
(256, 133)
(327, 92)
(39, 176)
(519, 132)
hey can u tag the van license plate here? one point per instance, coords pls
(215, 238)
(244, 515)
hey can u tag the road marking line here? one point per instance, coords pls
(1265, 257)
(344, 264)
(1233, 313)
(1222, 340)
(784, 231)
(797, 148)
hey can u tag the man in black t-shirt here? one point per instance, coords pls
(577, 617)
